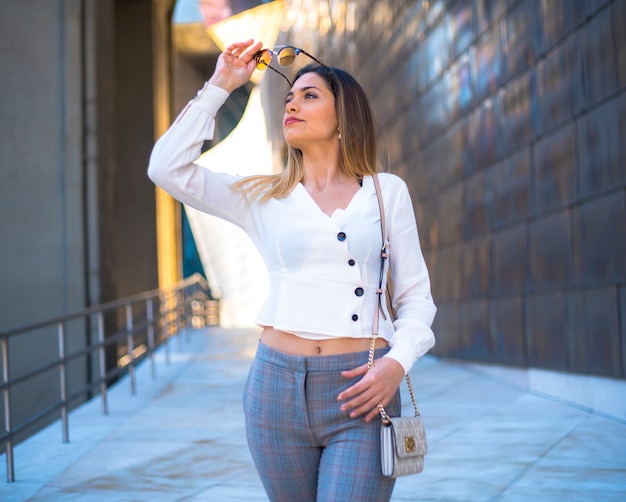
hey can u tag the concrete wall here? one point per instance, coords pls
(507, 119)
(41, 154)
(76, 129)
(42, 177)
(133, 224)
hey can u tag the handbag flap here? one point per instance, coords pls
(409, 436)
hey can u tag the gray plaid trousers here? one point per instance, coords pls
(304, 448)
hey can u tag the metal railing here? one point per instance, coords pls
(127, 331)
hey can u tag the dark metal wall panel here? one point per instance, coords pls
(506, 118)
(593, 321)
(474, 330)
(555, 179)
(601, 148)
(512, 190)
(521, 37)
(599, 249)
(559, 19)
(559, 86)
(550, 262)
(546, 331)
(506, 331)
(599, 57)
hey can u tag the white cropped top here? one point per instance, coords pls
(323, 270)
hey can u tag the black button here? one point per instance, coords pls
(341, 236)
(359, 291)
(355, 317)
(351, 262)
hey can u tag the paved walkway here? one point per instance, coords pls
(181, 439)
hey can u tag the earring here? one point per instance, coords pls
(339, 135)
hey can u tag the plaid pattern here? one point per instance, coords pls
(304, 448)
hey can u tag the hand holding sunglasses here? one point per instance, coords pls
(235, 65)
(285, 55)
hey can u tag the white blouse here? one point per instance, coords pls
(323, 270)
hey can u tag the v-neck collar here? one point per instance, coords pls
(367, 183)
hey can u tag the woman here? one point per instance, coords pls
(310, 402)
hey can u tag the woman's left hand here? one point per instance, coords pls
(378, 385)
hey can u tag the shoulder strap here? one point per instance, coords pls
(383, 256)
(381, 207)
(379, 311)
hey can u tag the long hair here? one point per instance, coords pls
(357, 153)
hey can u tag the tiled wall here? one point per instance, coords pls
(508, 120)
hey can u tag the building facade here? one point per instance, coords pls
(77, 123)
(505, 117)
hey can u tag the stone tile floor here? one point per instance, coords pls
(181, 438)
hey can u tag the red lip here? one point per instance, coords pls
(291, 120)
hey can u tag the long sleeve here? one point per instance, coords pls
(412, 297)
(172, 161)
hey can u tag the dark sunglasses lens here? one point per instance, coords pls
(263, 59)
(286, 56)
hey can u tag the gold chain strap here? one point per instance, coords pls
(383, 414)
(370, 359)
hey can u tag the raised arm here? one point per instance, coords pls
(172, 160)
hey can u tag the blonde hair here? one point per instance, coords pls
(357, 154)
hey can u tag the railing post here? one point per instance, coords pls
(6, 394)
(103, 368)
(179, 333)
(165, 326)
(150, 316)
(63, 382)
(185, 295)
(131, 348)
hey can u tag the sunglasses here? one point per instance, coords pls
(285, 56)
